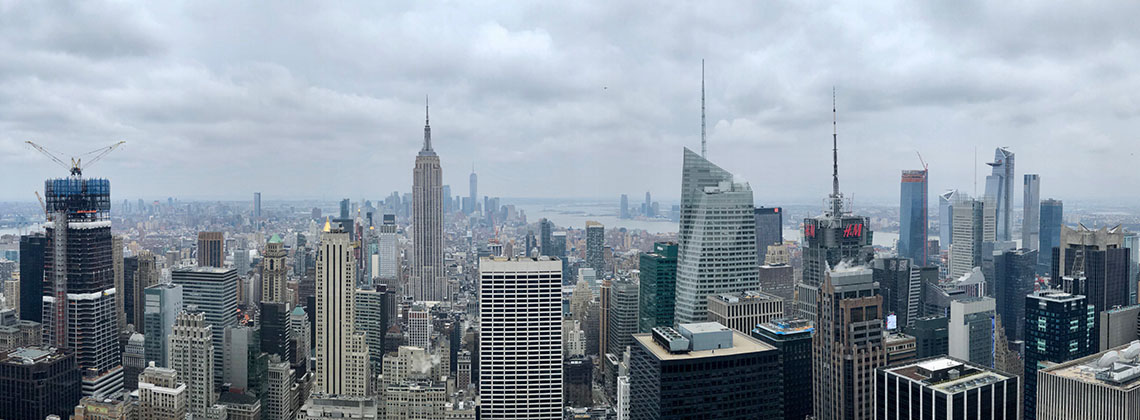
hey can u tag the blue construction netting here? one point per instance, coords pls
(77, 194)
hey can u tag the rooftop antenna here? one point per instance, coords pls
(836, 198)
(704, 148)
(975, 171)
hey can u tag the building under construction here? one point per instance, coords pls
(79, 289)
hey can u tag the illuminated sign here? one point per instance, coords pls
(853, 231)
(809, 231)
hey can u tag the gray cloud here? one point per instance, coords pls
(587, 99)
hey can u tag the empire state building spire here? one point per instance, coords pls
(427, 151)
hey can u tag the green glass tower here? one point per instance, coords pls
(658, 287)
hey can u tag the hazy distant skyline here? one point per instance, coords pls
(217, 100)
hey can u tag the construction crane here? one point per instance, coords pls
(924, 165)
(42, 205)
(76, 167)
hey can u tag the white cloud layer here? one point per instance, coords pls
(570, 99)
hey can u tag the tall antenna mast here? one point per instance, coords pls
(704, 147)
(836, 198)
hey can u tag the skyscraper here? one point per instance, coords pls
(999, 192)
(256, 206)
(36, 382)
(624, 209)
(912, 217)
(703, 370)
(163, 303)
(529, 336)
(1031, 215)
(214, 292)
(1098, 386)
(658, 283)
(211, 249)
(342, 352)
(848, 344)
(621, 315)
(971, 330)
(835, 236)
(79, 284)
(769, 230)
(946, 217)
(192, 357)
(946, 388)
(969, 226)
(1096, 265)
(1014, 279)
(474, 189)
(792, 339)
(1058, 327)
(717, 238)
(1052, 218)
(429, 275)
(419, 327)
(545, 230)
(389, 250)
(161, 395)
(900, 287)
(273, 271)
(595, 243)
(32, 251)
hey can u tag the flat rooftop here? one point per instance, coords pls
(741, 344)
(933, 373)
(1085, 370)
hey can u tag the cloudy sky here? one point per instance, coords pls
(217, 99)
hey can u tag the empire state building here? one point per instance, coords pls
(428, 281)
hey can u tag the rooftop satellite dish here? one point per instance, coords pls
(1108, 359)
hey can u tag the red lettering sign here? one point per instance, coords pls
(852, 231)
(809, 231)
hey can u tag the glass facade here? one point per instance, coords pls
(1058, 327)
(658, 287)
(1052, 212)
(912, 217)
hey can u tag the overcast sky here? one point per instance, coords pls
(218, 99)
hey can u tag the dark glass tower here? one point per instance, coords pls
(32, 249)
(1052, 212)
(276, 329)
(769, 230)
(79, 286)
(912, 217)
(545, 229)
(792, 340)
(658, 287)
(1015, 275)
(1093, 263)
(1058, 327)
(900, 287)
(931, 336)
(37, 382)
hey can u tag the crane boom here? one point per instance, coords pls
(43, 206)
(924, 166)
(51, 155)
(76, 166)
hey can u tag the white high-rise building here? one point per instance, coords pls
(717, 238)
(966, 249)
(520, 364)
(282, 395)
(428, 281)
(192, 356)
(342, 353)
(1031, 215)
(389, 250)
(622, 407)
(971, 330)
(161, 395)
(419, 327)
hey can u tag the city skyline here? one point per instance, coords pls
(179, 96)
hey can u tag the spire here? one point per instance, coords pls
(427, 128)
(704, 147)
(836, 197)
